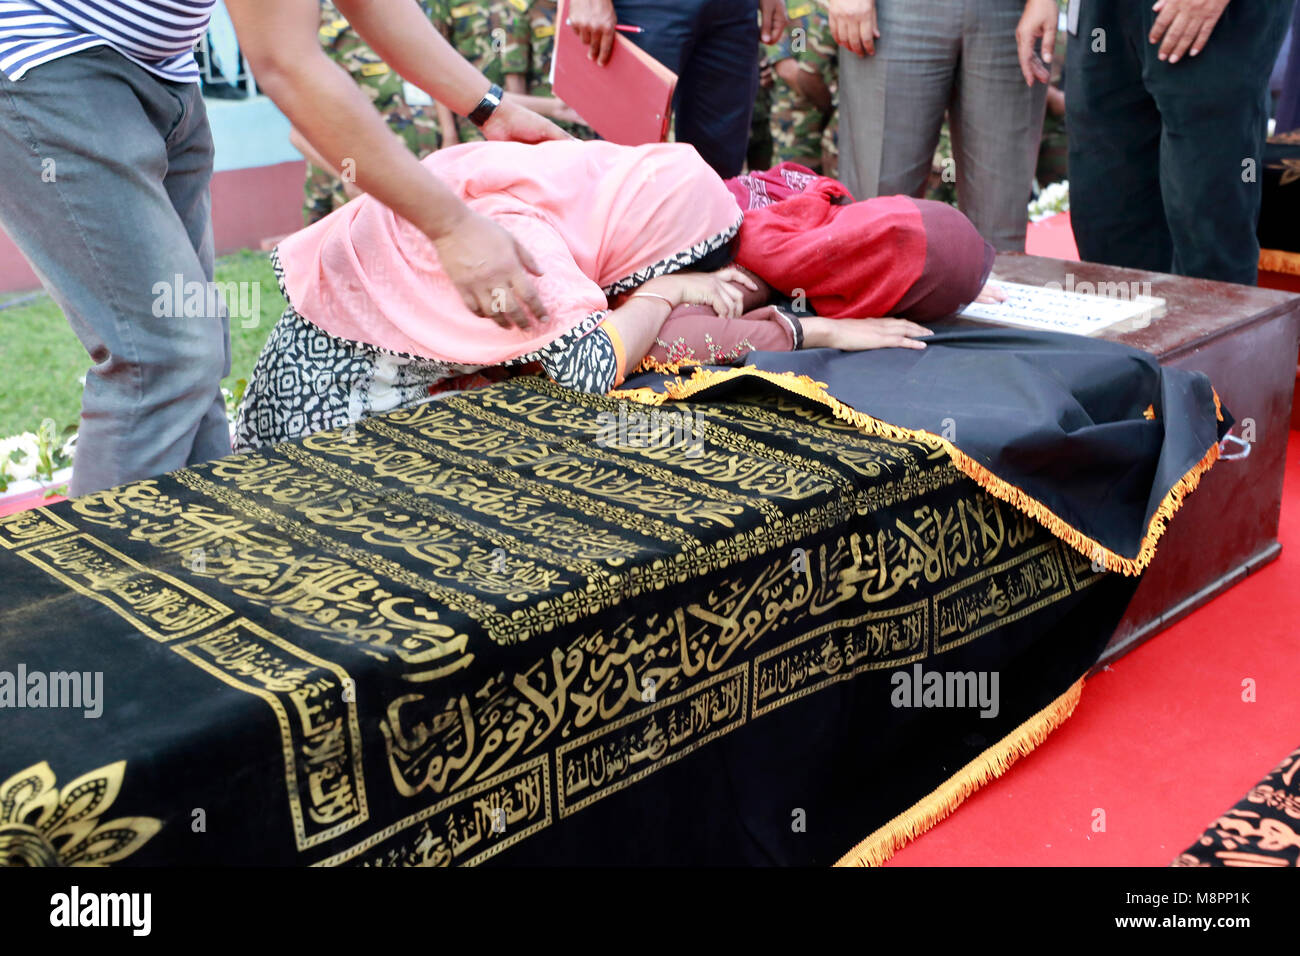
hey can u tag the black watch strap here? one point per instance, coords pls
(487, 106)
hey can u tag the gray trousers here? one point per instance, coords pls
(932, 56)
(106, 175)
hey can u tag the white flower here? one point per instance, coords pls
(20, 456)
(1051, 200)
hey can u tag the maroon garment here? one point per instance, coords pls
(696, 335)
(889, 256)
(958, 261)
(761, 189)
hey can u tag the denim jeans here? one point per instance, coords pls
(106, 176)
(712, 46)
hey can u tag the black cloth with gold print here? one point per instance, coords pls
(1280, 209)
(524, 625)
(1261, 829)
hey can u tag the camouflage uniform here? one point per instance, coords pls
(541, 47)
(409, 112)
(802, 133)
(942, 186)
(492, 34)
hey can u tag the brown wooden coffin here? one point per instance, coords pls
(1245, 340)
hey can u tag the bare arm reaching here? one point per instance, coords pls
(279, 38)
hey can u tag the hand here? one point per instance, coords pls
(1039, 20)
(788, 70)
(487, 266)
(992, 293)
(721, 291)
(1055, 101)
(775, 19)
(594, 22)
(859, 335)
(565, 113)
(1185, 25)
(514, 122)
(853, 25)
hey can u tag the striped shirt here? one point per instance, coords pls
(157, 34)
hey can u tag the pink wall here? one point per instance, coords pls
(248, 205)
(15, 274)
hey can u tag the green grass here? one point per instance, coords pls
(42, 361)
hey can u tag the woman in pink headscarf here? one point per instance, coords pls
(627, 241)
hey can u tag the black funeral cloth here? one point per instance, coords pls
(526, 625)
(1260, 829)
(1280, 181)
(1094, 439)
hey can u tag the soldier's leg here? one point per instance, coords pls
(996, 122)
(796, 128)
(318, 191)
(86, 200)
(892, 103)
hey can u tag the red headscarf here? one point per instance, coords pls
(888, 256)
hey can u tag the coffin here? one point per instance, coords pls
(1245, 340)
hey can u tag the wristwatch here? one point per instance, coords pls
(487, 106)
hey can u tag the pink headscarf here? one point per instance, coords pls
(591, 214)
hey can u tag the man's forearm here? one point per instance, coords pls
(547, 106)
(309, 153)
(447, 124)
(334, 115)
(350, 136)
(806, 83)
(404, 38)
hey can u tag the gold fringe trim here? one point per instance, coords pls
(803, 385)
(1278, 260)
(651, 364)
(921, 816)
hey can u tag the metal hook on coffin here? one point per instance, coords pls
(1239, 442)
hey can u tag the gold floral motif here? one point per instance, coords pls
(41, 825)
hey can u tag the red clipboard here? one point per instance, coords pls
(628, 101)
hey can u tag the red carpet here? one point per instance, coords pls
(35, 499)
(1162, 743)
